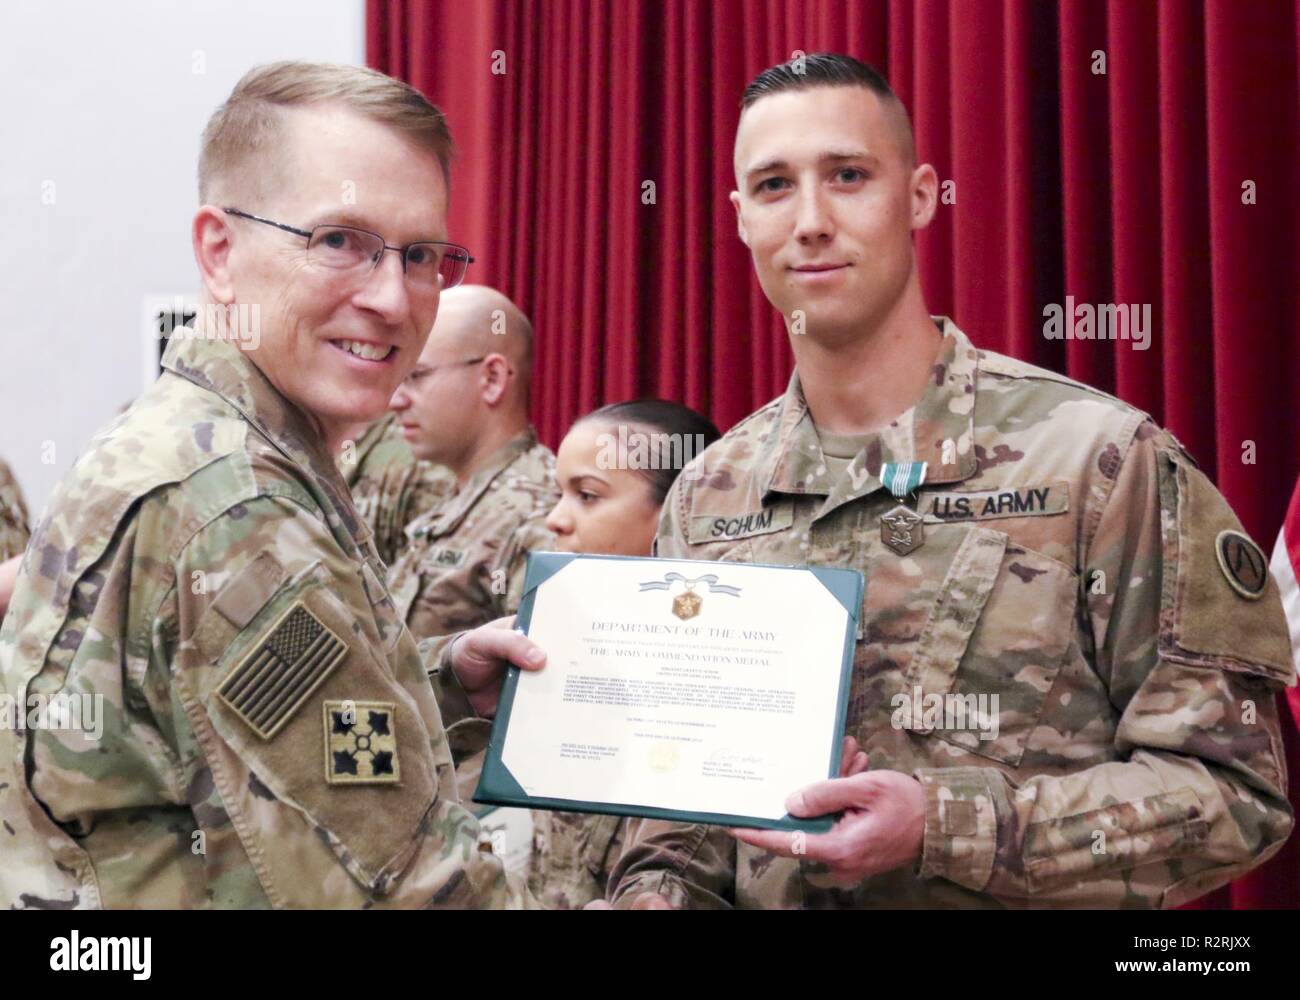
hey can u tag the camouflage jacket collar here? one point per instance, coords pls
(222, 368)
(463, 501)
(937, 430)
(365, 444)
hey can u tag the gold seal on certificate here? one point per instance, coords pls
(709, 711)
(663, 757)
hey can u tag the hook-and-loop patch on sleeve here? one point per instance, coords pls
(310, 733)
(1220, 606)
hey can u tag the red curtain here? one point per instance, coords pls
(1117, 152)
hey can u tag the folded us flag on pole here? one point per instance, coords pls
(1285, 568)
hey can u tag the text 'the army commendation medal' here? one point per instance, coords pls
(361, 743)
(687, 605)
(902, 530)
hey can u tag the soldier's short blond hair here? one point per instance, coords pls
(243, 135)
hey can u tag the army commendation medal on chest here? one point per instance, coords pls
(680, 689)
(902, 530)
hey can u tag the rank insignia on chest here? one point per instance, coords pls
(361, 743)
(687, 605)
(902, 530)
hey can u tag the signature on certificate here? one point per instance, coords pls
(725, 755)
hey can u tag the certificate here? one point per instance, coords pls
(704, 692)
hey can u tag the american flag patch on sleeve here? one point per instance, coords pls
(284, 666)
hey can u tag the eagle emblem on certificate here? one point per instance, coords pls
(687, 605)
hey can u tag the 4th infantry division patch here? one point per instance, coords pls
(361, 743)
(284, 666)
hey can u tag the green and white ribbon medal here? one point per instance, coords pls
(901, 529)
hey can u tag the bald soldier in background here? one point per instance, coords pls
(390, 487)
(465, 407)
(268, 735)
(1036, 548)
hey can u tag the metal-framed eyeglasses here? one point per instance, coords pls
(356, 252)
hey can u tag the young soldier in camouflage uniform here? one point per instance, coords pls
(1062, 567)
(465, 407)
(389, 487)
(202, 574)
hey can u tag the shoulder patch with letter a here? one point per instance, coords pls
(983, 505)
(1243, 564)
(361, 743)
(286, 664)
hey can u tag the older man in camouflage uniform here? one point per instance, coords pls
(465, 407)
(1062, 573)
(201, 578)
(390, 488)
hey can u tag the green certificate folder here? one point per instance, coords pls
(684, 690)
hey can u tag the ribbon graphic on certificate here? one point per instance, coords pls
(688, 604)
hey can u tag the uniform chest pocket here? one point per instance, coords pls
(992, 647)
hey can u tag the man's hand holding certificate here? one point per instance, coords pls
(699, 691)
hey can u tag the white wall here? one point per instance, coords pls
(101, 106)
